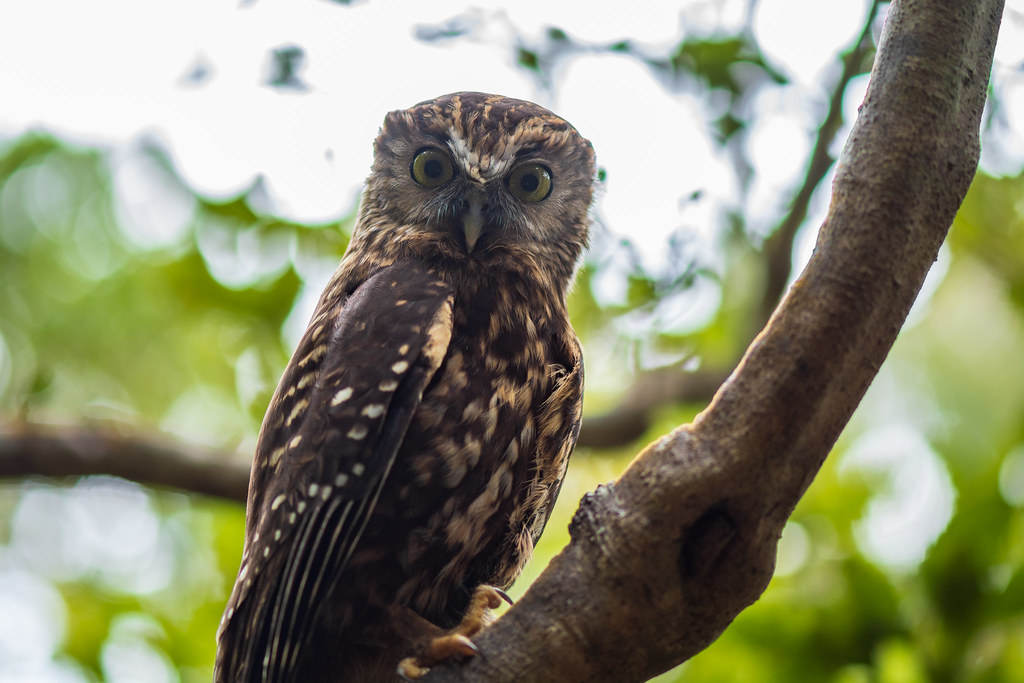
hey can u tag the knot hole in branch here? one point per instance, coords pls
(704, 542)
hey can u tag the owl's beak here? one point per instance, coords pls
(473, 222)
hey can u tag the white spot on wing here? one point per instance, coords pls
(296, 411)
(400, 367)
(342, 396)
(388, 385)
(358, 432)
(315, 354)
(277, 501)
(373, 410)
(358, 469)
(341, 479)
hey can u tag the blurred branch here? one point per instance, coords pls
(28, 450)
(664, 558)
(632, 417)
(778, 248)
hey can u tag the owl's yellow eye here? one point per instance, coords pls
(530, 182)
(431, 167)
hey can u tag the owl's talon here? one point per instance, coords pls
(409, 669)
(502, 594)
(440, 650)
(478, 614)
(456, 643)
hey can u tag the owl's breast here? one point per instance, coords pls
(469, 459)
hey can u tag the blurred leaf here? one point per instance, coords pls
(715, 61)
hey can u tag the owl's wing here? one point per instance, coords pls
(328, 443)
(559, 427)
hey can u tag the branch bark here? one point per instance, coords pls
(664, 558)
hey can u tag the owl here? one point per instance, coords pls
(417, 441)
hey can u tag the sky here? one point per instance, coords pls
(113, 72)
(119, 74)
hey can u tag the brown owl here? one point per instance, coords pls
(418, 439)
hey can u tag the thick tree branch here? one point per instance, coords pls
(632, 417)
(28, 450)
(663, 559)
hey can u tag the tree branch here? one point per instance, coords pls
(631, 418)
(663, 559)
(28, 450)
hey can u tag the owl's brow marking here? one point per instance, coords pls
(473, 165)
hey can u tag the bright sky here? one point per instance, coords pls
(115, 72)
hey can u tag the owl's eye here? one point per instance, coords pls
(530, 182)
(431, 167)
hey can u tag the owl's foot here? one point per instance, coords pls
(456, 642)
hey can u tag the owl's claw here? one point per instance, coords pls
(501, 594)
(456, 643)
(440, 649)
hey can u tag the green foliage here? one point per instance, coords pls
(731, 64)
(94, 326)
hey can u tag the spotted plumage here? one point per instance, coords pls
(419, 435)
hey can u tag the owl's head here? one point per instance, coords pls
(479, 179)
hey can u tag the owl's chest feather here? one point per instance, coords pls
(470, 454)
